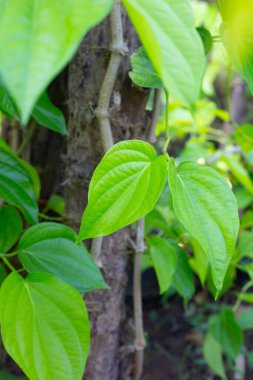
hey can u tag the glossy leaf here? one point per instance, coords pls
(199, 262)
(10, 227)
(213, 355)
(41, 36)
(125, 187)
(51, 335)
(144, 74)
(227, 332)
(17, 185)
(164, 259)
(52, 248)
(205, 205)
(3, 274)
(167, 30)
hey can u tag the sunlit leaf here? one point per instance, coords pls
(205, 205)
(45, 326)
(172, 43)
(125, 187)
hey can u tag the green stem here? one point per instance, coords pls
(8, 264)
(53, 218)
(244, 290)
(11, 254)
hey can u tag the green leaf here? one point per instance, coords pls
(206, 38)
(52, 248)
(164, 259)
(56, 203)
(49, 116)
(244, 137)
(239, 172)
(199, 262)
(17, 185)
(227, 332)
(237, 35)
(245, 244)
(125, 187)
(207, 208)
(213, 356)
(183, 276)
(8, 376)
(243, 197)
(144, 74)
(43, 37)
(245, 319)
(167, 30)
(44, 112)
(3, 274)
(45, 326)
(11, 226)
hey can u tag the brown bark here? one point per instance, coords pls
(84, 150)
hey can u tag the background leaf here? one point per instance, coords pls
(125, 187)
(41, 36)
(11, 226)
(144, 74)
(44, 112)
(51, 335)
(164, 259)
(227, 332)
(52, 248)
(17, 185)
(205, 205)
(213, 355)
(167, 30)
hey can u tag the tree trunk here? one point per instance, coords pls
(84, 151)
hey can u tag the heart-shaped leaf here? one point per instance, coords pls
(125, 187)
(41, 36)
(206, 206)
(44, 326)
(52, 248)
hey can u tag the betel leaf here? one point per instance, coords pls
(49, 116)
(183, 280)
(164, 259)
(237, 35)
(41, 36)
(172, 43)
(125, 187)
(17, 185)
(10, 227)
(45, 326)
(52, 248)
(206, 38)
(144, 74)
(213, 355)
(207, 208)
(44, 112)
(56, 203)
(226, 331)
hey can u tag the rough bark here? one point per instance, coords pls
(84, 151)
